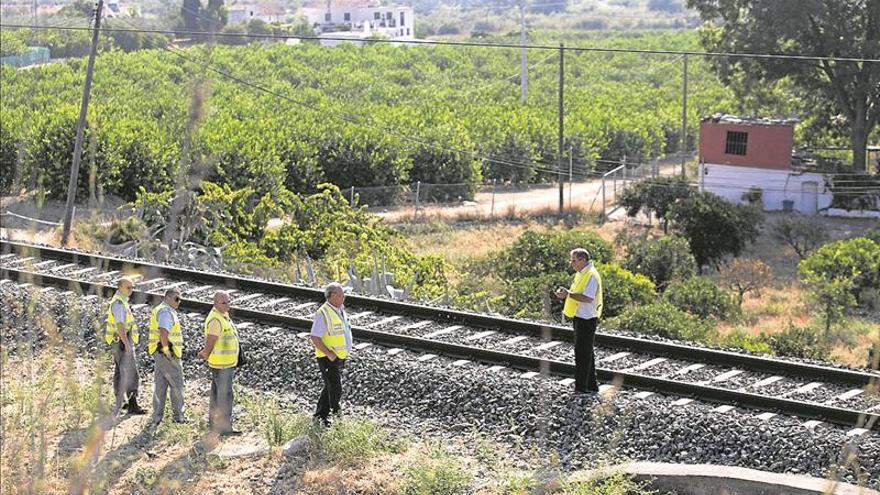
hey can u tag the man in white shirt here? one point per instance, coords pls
(583, 304)
(331, 336)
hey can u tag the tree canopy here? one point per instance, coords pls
(820, 28)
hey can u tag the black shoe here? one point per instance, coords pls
(230, 433)
(183, 421)
(136, 410)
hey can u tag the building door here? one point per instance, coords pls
(809, 198)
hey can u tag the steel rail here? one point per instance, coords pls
(808, 410)
(509, 325)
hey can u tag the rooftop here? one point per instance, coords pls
(733, 119)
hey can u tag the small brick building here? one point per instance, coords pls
(740, 157)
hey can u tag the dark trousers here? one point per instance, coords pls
(220, 404)
(331, 373)
(125, 375)
(584, 358)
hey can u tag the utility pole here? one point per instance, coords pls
(524, 90)
(560, 166)
(570, 174)
(80, 128)
(684, 115)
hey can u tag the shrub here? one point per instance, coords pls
(535, 254)
(798, 342)
(856, 260)
(530, 297)
(622, 289)
(713, 227)
(742, 340)
(436, 472)
(664, 320)
(662, 260)
(802, 233)
(701, 297)
(744, 275)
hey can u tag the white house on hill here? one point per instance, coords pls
(364, 18)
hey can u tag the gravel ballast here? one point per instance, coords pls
(530, 415)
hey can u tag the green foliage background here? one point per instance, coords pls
(371, 116)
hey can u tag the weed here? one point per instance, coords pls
(350, 439)
(436, 472)
(617, 483)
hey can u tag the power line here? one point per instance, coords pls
(772, 56)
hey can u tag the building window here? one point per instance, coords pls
(377, 15)
(389, 15)
(407, 31)
(402, 23)
(346, 17)
(327, 17)
(736, 143)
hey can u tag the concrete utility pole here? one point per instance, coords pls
(80, 128)
(684, 115)
(560, 165)
(524, 90)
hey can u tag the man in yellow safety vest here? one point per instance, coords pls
(166, 347)
(221, 353)
(121, 335)
(583, 304)
(331, 336)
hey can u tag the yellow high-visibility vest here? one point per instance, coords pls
(110, 334)
(581, 279)
(334, 334)
(175, 337)
(225, 352)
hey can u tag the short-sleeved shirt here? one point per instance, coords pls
(587, 310)
(118, 310)
(166, 318)
(215, 328)
(319, 326)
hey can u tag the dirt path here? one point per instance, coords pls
(585, 196)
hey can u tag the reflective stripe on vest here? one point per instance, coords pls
(225, 352)
(175, 337)
(334, 334)
(581, 279)
(110, 334)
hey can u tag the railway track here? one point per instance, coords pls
(816, 393)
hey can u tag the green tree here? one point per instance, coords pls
(833, 298)
(655, 196)
(840, 28)
(856, 262)
(714, 227)
(662, 260)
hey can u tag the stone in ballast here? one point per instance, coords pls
(296, 446)
(232, 451)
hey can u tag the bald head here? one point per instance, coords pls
(221, 301)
